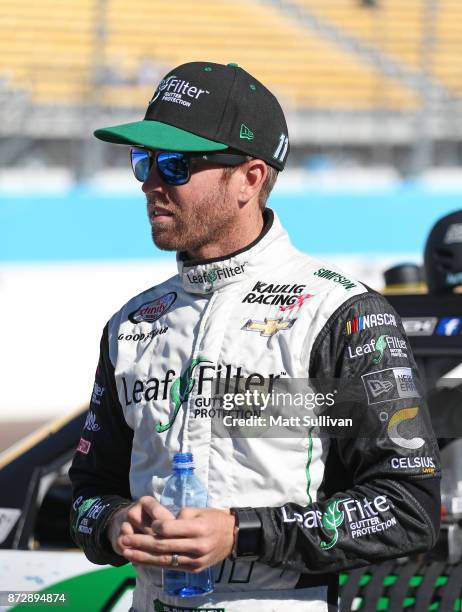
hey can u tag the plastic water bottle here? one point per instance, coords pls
(183, 489)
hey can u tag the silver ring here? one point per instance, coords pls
(174, 562)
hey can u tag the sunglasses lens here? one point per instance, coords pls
(173, 167)
(141, 163)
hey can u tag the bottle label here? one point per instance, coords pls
(162, 607)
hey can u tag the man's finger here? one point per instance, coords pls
(126, 529)
(159, 546)
(154, 510)
(185, 563)
(179, 528)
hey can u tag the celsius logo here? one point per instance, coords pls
(173, 90)
(405, 414)
(151, 311)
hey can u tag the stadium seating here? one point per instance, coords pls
(399, 30)
(57, 52)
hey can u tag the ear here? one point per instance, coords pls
(253, 175)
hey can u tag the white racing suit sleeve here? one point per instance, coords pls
(380, 496)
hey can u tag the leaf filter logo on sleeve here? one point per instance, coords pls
(332, 519)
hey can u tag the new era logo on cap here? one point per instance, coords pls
(246, 132)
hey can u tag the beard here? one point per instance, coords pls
(190, 228)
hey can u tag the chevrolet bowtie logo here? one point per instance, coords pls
(268, 327)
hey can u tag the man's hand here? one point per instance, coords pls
(200, 537)
(135, 519)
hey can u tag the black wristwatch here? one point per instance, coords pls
(247, 534)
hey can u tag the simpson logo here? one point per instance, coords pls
(84, 446)
(367, 321)
(177, 91)
(388, 385)
(151, 311)
(401, 416)
(336, 277)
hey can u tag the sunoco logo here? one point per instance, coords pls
(151, 311)
(173, 89)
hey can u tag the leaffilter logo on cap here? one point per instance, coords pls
(178, 91)
(162, 85)
(246, 132)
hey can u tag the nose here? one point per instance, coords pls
(153, 182)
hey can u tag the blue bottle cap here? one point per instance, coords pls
(183, 460)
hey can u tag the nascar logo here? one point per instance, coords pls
(366, 321)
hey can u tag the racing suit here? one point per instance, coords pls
(263, 315)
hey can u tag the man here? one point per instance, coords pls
(248, 310)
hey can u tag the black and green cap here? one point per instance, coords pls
(202, 106)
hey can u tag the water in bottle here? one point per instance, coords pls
(182, 489)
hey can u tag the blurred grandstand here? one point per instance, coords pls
(374, 83)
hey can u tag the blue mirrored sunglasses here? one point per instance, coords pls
(174, 168)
